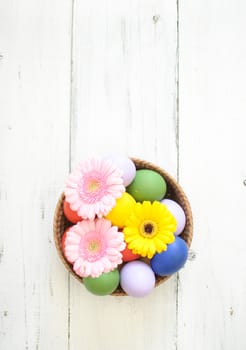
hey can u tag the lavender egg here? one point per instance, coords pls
(125, 164)
(177, 212)
(137, 279)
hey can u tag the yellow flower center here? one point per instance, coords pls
(93, 246)
(148, 229)
(93, 186)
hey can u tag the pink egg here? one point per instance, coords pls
(137, 279)
(177, 212)
(125, 164)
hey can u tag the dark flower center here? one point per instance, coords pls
(148, 228)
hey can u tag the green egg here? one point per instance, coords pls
(148, 185)
(105, 284)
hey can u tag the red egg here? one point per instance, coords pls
(128, 255)
(70, 214)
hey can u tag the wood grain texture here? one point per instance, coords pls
(81, 78)
(124, 100)
(124, 90)
(212, 304)
(34, 143)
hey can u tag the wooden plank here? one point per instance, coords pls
(212, 304)
(124, 100)
(34, 157)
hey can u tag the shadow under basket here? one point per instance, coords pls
(174, 192)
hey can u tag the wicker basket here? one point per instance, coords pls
(174, 191)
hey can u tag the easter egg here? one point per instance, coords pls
(122, 209)
(128, 255)
(105, 284)
(171, 260)
(177, 212)
(148, 185)
(70, 214)
(126, 165)
(137, 279)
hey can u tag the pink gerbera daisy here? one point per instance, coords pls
(93, 188)
(94, 247)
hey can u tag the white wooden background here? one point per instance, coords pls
(161, 80)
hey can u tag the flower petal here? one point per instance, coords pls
(138, 241)
(94, 247)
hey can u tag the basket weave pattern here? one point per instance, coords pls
(174, 191)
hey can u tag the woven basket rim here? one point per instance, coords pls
(60, 223)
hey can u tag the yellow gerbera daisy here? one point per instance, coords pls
(149, 228)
